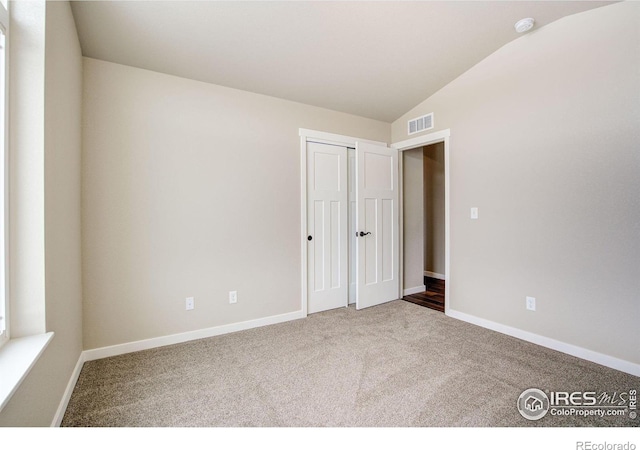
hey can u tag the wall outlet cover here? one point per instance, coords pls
(531, 303)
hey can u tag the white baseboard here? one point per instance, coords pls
(57, 419)
(120, 349)
(414, 290)
(437, 276)
(573, 350)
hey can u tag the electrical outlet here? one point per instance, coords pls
(233, 296)
(474, 212)
(531, 303)
(190, 303)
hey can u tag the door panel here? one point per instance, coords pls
(337, 234)
(369, 243)
(326, 171)
(377, 205)
(327, 214)
(386, 230)
(318, 245)
(378, 171)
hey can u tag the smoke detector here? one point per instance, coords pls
(523, 25)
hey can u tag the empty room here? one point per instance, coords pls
(320, 214)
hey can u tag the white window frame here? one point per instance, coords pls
(18, 355)
(4, 141)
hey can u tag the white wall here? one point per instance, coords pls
(544, 140)
(190, 189)
(48, 170)
(434, 214)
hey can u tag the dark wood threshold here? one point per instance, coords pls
(432, 298)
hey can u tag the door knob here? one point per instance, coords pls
(309, 238)
(362, 233)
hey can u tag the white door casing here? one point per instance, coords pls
(327, 218)
(378, 218)
(421, 141)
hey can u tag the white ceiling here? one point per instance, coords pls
(374, 59)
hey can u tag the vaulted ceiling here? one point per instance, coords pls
(374, 59)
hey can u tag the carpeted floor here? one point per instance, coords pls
(397, 364)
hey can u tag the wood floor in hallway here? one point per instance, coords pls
(432, 298)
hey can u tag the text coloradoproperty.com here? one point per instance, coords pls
(586, 412)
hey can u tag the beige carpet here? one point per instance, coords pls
(397, 364)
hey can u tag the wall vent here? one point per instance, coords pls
(420, 124)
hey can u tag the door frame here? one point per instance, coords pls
(319, 137)
(409, 144)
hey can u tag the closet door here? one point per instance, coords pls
(327, 218)
(377, 225)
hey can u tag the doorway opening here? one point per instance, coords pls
(424, 226)
(425, 236)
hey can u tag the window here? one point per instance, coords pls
(4, 307)
(21, 345)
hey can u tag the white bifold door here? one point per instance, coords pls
(371, 266)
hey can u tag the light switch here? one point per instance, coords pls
(474, 213)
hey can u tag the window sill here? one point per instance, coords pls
(17, 357)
